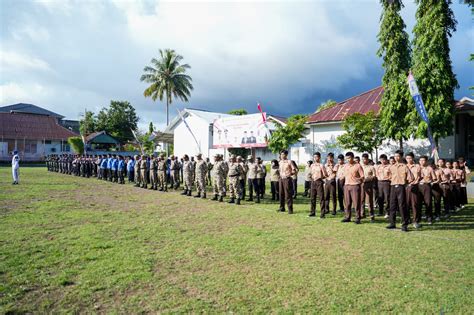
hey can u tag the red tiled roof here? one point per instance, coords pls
(362, 103)
(32, 127)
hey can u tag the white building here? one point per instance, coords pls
(200, 124)
(325, 126)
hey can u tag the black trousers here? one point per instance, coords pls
(317, 191)
(384, 196)
(330, 191)
(286, 193)
(340, 194)
(274, 189)
(253, 187)
(242, 187)
(398, 203)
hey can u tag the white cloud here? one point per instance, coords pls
(15, 62)
(13, 92)
(31, 32)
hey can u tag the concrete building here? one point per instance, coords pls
(33, 131)
(326, 125)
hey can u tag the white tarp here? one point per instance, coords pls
(246, 131)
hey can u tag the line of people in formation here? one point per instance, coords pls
(393, 185)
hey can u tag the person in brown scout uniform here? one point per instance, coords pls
(252, 168)
(467, 171)
(261, 174)
(340, 181)
(428, 178)
(367, 188)
(444, 178)
(153, 173)
(400, 176)
(274, 179)
(307, 179)
(243, 176)
(383, 182)
(318, 174)
(187, 176)
(285, 188)
(353, 178)
(234, 184)
(413, 194)
(330, 184)
(458, 178)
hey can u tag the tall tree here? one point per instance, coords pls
(239, 111)
(119, 120)
(87, 124)
(151, 128)
(432, 69)
(167, 78)
(362, 133)
(397, 113)
(284, 136)
(325, 105)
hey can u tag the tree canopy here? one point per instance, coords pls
(325, 105)
(167, 78)
(239, 111)
(362, 132)
(284, 136)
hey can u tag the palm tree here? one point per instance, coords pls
(168, 79)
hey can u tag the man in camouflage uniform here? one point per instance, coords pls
(187, 176)
(209, 169)
(143, 167)
(218, 173)
(174, 172)
(162, 173)
(235, 170)
(243, 176)
(225, 164)
(201, 173)
(137, 171)
(153, 173)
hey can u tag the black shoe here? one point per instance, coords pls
(345, 220)
(221, 199)
(322, 216)
(312, 215)
(250, 199)
(161, 189)
(197, 196)
(185, 192)
(404, 229)
(357, 221)
(333, 213)
(372, 219)
(237, 202)
(290, 212)
(189, 193)
(232, 200)
(258, 200)
(281, 210)
(204, 196)
(391, 226)
(214, 198)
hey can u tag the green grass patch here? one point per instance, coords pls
(70, 244)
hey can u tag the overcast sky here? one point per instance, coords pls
(290, 56)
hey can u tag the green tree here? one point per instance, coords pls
(76, 144)
(118, 120)
(325, 105)
(151, 128)
(239, 111)
(167, 78)
(432, 69)
(284, 136)
(362, 133)
(87, 124)
(397, 113)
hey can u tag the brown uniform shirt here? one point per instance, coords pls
(353, 174)
(382, 172)
(369, 172)
(443, 175)
(331, 171)
(286, 169)
(415, 170)
(400, 174)
(428, 175)
(340, 171)
(318, 171)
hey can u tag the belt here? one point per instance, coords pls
(384, 181)
(234, 175)
(396, 186)
(424, 183)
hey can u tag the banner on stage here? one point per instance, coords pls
(246, 131)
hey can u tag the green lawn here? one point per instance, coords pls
(71, 244)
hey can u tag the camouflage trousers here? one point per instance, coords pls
(201, 183)
(218, 185)
(137, 176)
(162, 179)
(188, 181)
(143, 177)
(153, 178)
(174, 179)
(234, 187)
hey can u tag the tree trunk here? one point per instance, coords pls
(167, 111)
(400, 144)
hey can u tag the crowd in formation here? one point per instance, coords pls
(394, 185)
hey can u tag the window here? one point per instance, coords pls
(47, 142)
(31, 146)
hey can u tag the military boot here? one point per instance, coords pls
(237, 202)
(215, 198)
(185, 192)
(189, 192)
(198, 195)
(221, 199)
(232, 200)
(204, 196)
(258, 199)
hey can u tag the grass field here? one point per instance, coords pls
(71, 244)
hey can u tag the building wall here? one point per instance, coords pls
(32, 150)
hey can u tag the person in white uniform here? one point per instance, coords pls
(15, 167)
